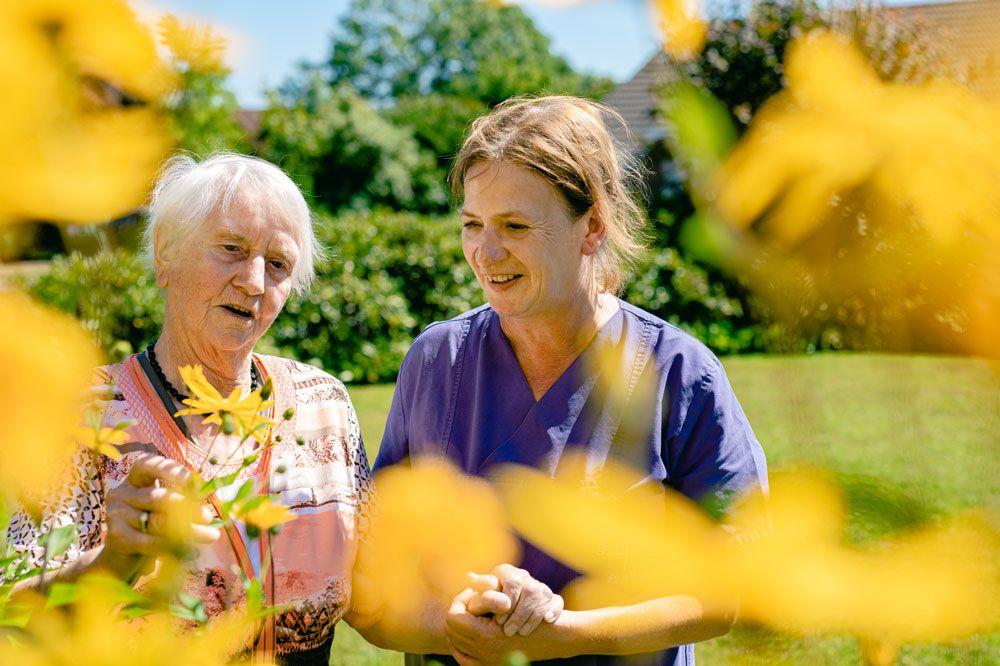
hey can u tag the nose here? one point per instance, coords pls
(250, 277)
(491, 249)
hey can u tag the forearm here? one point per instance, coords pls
(419, 633)
(66, 573)
(650, 626)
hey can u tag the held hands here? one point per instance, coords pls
(143, 512)
(496, 614)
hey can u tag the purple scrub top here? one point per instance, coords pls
(461, 393)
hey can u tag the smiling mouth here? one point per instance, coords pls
(239, 312)
(503, 278)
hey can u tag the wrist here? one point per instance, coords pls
(559, 640)
(123, 566)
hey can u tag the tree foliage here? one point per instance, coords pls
(342, 151)
(204, 115)
(436, 65)
(473, 49)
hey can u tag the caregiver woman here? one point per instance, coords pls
(550, 230)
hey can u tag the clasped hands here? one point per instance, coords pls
(497, 614)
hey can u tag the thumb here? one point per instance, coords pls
(483, 582)
(488, 602)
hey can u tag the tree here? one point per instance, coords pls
(202, 110)
(204, 115)
(340, 150)
(435, 65)
(471, 49)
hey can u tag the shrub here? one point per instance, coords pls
(113, 293)
(389, 275)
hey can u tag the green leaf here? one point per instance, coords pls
(188, 607)
(58, 540)
(15, 615)
(133, 612)
(245, 491)
(61, 594)
(4, 517)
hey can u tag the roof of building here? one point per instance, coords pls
(968, 30)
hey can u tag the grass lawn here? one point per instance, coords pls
(910, 437)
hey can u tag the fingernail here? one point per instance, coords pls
(510, 630)
(550, 617)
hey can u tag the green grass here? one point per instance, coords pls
(910, 437)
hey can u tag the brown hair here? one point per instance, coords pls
(566, 141)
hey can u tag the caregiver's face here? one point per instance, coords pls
(526, 250)
(228, 280)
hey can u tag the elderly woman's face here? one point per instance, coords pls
(228, 280)
(526, 250)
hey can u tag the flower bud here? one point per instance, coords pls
(228, 424)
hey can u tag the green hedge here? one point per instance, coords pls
(387, 276)
(112, 293)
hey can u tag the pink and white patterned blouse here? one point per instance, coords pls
(325, 481)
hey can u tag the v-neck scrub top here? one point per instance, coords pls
(461, 393)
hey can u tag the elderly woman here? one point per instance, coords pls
(550, 230)
(231, 237)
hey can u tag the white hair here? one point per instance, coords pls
(188, 192)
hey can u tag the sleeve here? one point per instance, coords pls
(79, 499)
(395, 446)
(715, 455)
(364, 489)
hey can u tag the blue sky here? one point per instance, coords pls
(268, 37)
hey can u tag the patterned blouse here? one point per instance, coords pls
(324, 480)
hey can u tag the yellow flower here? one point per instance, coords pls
(102, 440)
(266, 514)
(245, 411)
(48, 361)
(789, 567)
(423, 544)
(933, 149)
(682, 27)
(62, 128)
(96, 634)
(197, 45)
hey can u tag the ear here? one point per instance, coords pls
(595, 231)
(161, 258)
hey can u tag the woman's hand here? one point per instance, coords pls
(518, 604)
(475, 640)
(532, 602)
(143, 513)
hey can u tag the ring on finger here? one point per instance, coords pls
(144, 522)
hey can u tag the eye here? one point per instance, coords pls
(229, 247)
(471, 224)
(516, 226)
(278, 263)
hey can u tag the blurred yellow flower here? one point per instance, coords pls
(682, 27)
(266, 514)
(104, 441)
(95, 635)
(49, 360)
(931, 149)
(784, 560)
(197, 45)
(244, 410)
(66, 66)
(432, 527)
